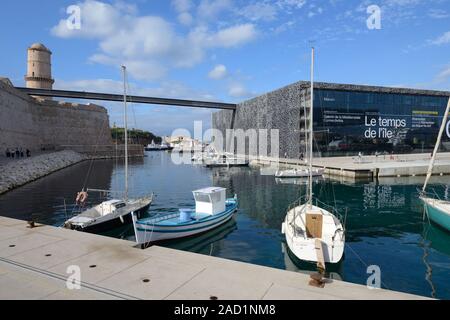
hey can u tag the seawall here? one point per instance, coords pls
(20, 172)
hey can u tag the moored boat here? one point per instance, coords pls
(312, 232)
(436, 209)
(111, 213)
(212, 209)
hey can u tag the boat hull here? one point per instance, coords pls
(158, 149)
(151, 233)
(113, 223)
(436, 211)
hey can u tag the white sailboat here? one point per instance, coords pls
(436, 209)
(312, 232)
(112, 213)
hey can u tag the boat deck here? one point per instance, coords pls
(174, 219)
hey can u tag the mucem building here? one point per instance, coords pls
(348, 119)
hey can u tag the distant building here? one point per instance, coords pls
(348, 119)
(39, 67)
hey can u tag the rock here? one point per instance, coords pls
(20, 172)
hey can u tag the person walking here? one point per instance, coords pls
(28, 153)
(17, 153)
(8, 153)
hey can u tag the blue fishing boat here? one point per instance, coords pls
(436, 209)
(212, 209)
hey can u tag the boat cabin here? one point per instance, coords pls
(210, 200)
(110, 206)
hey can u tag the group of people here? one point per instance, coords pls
(17, 153)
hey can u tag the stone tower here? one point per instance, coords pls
(39, 71)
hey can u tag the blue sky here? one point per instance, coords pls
(226, 50)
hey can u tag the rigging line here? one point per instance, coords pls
(362, 261)
(321, 95)
(95, 152)
(80, 207)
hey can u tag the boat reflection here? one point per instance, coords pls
(437, 238)
(297, 181)
(207, 243)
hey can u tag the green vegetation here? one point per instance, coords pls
(135, 136)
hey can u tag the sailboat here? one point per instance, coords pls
(112, 213)
(436, 209)
(313, 233)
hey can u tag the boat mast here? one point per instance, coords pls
(311, 130)
(126, 128)
(436, 147)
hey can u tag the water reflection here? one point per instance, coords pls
(44, 200)
(384, 218)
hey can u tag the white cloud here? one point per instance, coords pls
(238, 90)
(150, 45)
(185, 18)
(234, 36)
(443, 39)
(259, 11)
(444, 75)
(296, 4)
(218, 72)
(182, 5)
(438, 14)
(98, 20)
(210, 9)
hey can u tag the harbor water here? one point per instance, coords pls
(384, 219)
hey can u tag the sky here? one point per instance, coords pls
(225, 50)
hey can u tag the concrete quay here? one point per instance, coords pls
(369, 167)
(34, 264)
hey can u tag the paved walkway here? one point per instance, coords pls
(34, 264)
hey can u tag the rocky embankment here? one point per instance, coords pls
(17, 173)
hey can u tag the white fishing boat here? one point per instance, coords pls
(312, 232)
(437, 210)
(112, 213)
(299, 173)
(212, 209)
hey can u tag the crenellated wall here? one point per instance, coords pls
(36, 123)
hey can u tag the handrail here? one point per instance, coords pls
(322, 204)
